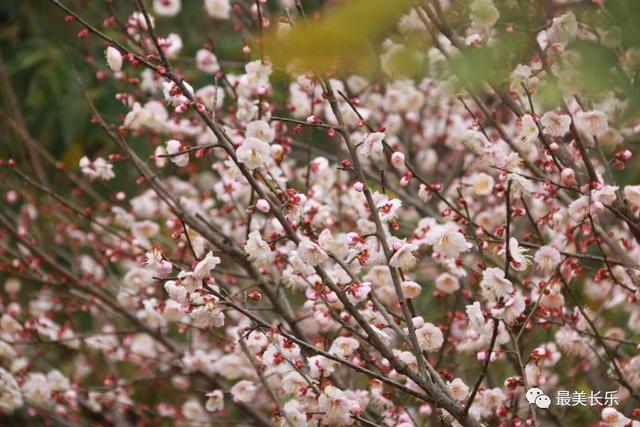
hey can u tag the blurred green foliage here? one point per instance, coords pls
(38, 53)
(41, 52)
(342, 39)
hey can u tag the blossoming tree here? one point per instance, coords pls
(294, 242)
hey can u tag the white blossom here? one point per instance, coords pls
(167, 7)
(257, 249)
(97, 169)
(311, 253)
(493, 285)
(555, 124)
(114, 59)
(10, 395)
(528, 130)
(215, 401)
(219, 9)
(447, 240)
(243, 391)
(207, 62)
(430, 337)
(547, 258)
(371, 145)
(592, 122)
(253, 153)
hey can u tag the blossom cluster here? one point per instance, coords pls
(298, 249)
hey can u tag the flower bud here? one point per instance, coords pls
(262, 205)
(114, 59)
(568, 176)
(417, 322)
(397, 159)
(410, 289)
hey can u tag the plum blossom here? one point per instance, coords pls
(204, 267)
(605, 195)
(243, 391)
(156, 262)
(410, 289)
(632, 195)
(547, 258)
(592, 122)
(257, 249)
(114, 59)
(37, 391)
(494, 286)
(483, 184)
(447, 240)
(260, 129)
(10, 394)
(276, 263)
(97, 169)
(344, 346)
(611, 417)
(173, 93)
(358, 292)
(253, 153)
(175, 151)
(404, 257)
(167, 7)
(459, 389)
(430, 337)
(555, 124)
(371, 145)
(335, 405)
(311, 253)
(518, 258)
(219, 9)
(207, 62)
(528, 130)
(447, 283)
(215, 401)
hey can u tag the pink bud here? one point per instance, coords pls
(623, 155)
(406, 179)
(397, 159)
(568, 176)
(397, 246)
(12, 197)
(417, 322)
(355, 409)
(262, 205)
(554, 146)
(426, 410)
(358, 186)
